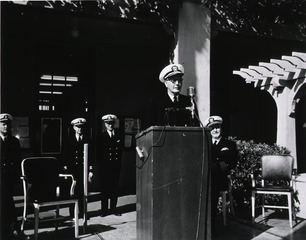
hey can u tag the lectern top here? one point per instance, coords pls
(167, 128)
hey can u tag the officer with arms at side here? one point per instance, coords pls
(171, 108)
(74, 158)
(10, 174)
(110, 147)
(224, 157)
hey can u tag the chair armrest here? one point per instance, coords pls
(64, 175)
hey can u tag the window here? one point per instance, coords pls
(51, 88)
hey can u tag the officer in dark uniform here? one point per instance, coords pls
(224, 157)
(10, 174)
(110, 144)
(74, 158)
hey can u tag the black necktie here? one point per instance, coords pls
(79, 138)
(175, 100)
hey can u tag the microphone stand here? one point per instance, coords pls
(192, 108)
(191, 94)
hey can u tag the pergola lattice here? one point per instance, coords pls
(282, 78)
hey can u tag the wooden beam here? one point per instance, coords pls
(296, 61)
(288, 66)
(252, 73)
(265, 72)
(275, 68)
(300, 55)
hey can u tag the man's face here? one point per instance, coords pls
(174, 84)
(110, 125)
(216, 132)
(78, 129)
(4, 128)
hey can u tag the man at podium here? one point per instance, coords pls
(171, 108)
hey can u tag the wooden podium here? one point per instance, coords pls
(173, 199)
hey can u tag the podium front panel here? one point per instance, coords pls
(172, 184)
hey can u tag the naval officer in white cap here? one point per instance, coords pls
(74, 157)
(110, 147)
(170, 107)
(224, 157)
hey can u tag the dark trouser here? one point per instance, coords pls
(218, 184)
(105, 206)
(215, 194)
(9, 221)
(110, 189)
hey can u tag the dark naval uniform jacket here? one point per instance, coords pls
(110, 154)
(224, 157)
(10, 161)
(74, 155)
(163, 111)
(10, 175)
(74, 160)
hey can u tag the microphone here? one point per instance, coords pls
(191, 94)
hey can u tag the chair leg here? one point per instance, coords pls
(231, 199)
(290, 208)
(224, 203)
(293, 209)
(253, 207)
(263, 206)
(24, 216)
(36, 220)
(76, 220)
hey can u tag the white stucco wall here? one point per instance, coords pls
(193, 51)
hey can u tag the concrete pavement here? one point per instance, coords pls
(110, 227)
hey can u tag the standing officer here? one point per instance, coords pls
(110, 145)
(171, 108)
(224, 157)
(10, 174)
(74, 158)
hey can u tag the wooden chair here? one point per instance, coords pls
(41, 180)
(277, 179)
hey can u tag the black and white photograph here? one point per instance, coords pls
(153, 120)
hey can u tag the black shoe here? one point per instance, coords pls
(103, 214)
(118, 214)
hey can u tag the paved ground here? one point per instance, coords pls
(275, 227)
(110, 227)
(124, 227)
